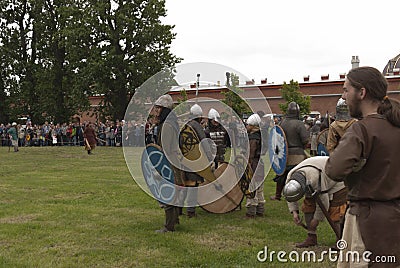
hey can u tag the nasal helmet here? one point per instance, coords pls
(295, 189)
(293, 109)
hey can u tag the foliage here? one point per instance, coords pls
(132, 45)
(291, 92)
(232, 96)
(149, 92)
(56, 54)
(182, 106)
(63, 208)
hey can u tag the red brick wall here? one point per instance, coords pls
(324, 96)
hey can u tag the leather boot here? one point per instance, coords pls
(310, 241)
(260, 210)
(251, 212)
(278, 191)
(180, 210)
(171, 218)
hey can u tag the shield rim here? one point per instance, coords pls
(207, 207)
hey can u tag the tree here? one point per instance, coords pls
(132, 45)
(59, 52)
(291, 92)
(232, 97)
(37, 40)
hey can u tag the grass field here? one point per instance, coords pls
(60, 207)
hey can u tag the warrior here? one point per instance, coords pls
(90, 138)
(216, 132)
(309, 179)
(297, 139)
(167, 138)
(255, 206)
(314, 131)
(338, 128)
(193, 179)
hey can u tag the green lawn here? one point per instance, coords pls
(60, 207)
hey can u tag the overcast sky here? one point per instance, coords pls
(284, 40)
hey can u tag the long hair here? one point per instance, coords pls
(376, 86)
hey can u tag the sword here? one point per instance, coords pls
(87, 144)
(315, 196)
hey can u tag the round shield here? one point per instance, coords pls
(191, 149)
(243, 169)
(321, 150)
(158, 174)
(277, 150)
(231, 199)
(322, 142)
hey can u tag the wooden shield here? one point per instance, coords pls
(277, 150)
(158, 174)
(245, 172)
(227, 186)
(192, 151)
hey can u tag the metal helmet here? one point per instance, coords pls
(293, 109)
(254, 120)
(296, 187)
(342, 110)
(213, 114)
(196, 110)
(165, 101)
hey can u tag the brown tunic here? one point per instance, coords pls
(336, 132)
(90, 135)
(367, 160)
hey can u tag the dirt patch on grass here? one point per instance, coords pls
(19, 219)
(75, 196)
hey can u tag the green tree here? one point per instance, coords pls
(291, 92)
(232, 97)
(38, 42)
(60, 52)
(132, 45)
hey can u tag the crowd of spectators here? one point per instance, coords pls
(109, 133)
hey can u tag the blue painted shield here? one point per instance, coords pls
(322, 141)
(158, 174)
(321, 150)
(277, 150)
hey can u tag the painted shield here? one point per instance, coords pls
(158, 174)
(191, 150)
(244, 171)
(322, 141)
(277, 150)
(321, 150)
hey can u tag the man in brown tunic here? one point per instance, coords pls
(338, 128)
(90, 138)
(367, 160)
